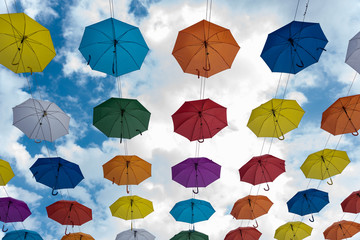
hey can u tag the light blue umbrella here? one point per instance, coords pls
(192, 211)
(22, 235)
(113, 47)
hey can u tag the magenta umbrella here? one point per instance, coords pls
(196, 172)
(13, 210)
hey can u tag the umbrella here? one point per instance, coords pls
(353, 53)
(294, 47)
(343, 116)
(190, 235)
(251, 207)
(121, 118)
(131, 207)
(293, 230)
(192, 211)
(275, 118)
(262, 169)
(13, 210)
(135, 234)
(6, 173)
(41, 120)
(199, 119)
(205, 49)
(69, 213)
(307, 202)
(324, 164)
(341, 230)
(243, 233)
(196, 172)
(113, 47)
(22, 235)
(127, 170)
(77, 236)
(351, 204)
(26, 46)
(56, 173)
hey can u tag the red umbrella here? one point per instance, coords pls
(243, 233)
(262, 169)
(69, 213)
(199, 119)
(351, 204)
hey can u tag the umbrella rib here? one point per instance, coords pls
(98, 59)
(97, 30)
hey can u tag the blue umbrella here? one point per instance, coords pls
(22, 235)
(192, 211)
(307, 202)
(113, 47)
(294, 47)
(56, 173)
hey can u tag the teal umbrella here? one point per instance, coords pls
(190, 235)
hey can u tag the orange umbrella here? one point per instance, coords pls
(77, 236)
(343, 116)
(341, 230)
(251, 207)
(205, 49)
(127, 170)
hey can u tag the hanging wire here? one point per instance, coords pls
(297, 7)
(306, 8)
(7, 194)
(112, 13)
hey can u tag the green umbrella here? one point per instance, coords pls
(121, 118)
(190, 235)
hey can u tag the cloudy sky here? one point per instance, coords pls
(162, 87)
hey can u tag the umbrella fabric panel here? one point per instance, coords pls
(135, 234)
(13, 210)
(190, 235)
(341, 230)
(308, 201)
(6, 173)
(243, 233)
(192, 211)
(251, 207)
(131, 207)
(353, 53)
(77, 236)
(22, 235)
(26, 45)
(293, 230)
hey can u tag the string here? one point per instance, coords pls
(297, 7)
(278, 85)
(111, 3)
(306, 8)
(6, 191)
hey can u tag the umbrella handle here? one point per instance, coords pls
(207, 69)
(37, 140)
(201, 140)
(312, 219)
(255, 226)
(282, 137)
(268, 187)
(66, 231)
(127, 189)
(198, 73)
(54, 193)
(320, 48)
(89, 60)
(197, 190)
(139, 131)
(355, 133)
(3, 228)
(331, 182)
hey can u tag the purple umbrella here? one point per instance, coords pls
(13, 210)
(196, 172)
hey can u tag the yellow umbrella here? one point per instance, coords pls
(131, 207)
(25, 45)
(325, 164)
(293, 231)
(275, 118)
(6, 173)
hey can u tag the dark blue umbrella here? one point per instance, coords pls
(294, 47)
(22, 235)
(308, 202)
(113, 47)
(192, 211)
(56, 173)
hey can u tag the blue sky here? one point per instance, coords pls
(162, 87)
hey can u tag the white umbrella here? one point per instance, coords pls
(135, 234)
(41, 120)
(353, 53)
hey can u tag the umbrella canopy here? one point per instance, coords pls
(294, 47)
(192, 211)
(113, 47)
(6, 173)
(26, 46)
(77, 236)
(22, 235)
(293, 230)
(196, 172)
(13, 210)
(127, 170)
(199, 119)
(190, 235)
(307, 202)
(343, 116)
(135, 234)
(324, 164)
(205, 49)
(121, 118)
(351, 204)
(262, 169)
(69, 213)
(275, 118)
(341, 230)
(131, 207)
(353, 53)
(56, 173)
(41, 120)
(243, 233)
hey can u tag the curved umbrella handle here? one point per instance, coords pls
(197, 190)
(282, 137)
(312, 218)
(66, 231)
(201, 140)
(127, 189)
(198, 73)
(3, 228)
(255, 226)
(267, 188)
(54, 193)
(355, 133)
(139, 131)
(37, 140)
(331, 182)
(88, 63)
